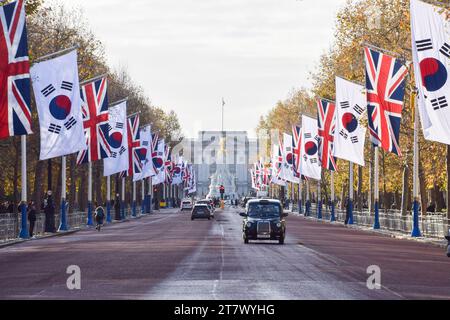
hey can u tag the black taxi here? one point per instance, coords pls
(264, 220)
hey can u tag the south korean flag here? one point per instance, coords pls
(349, 134)
(118, 143)
(431, 56)
(57, 92)
(310, 166)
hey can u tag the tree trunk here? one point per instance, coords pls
(16, 173)
(38, 189)
(405, 190)
(73, 181)
(98, 184)
(360, 182)
(82, 190)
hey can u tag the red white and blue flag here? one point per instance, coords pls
(134, 147)
(326, 120)
(15, 109)
(385, 89)
(94, 106)
(297, 146)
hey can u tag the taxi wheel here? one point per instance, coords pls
(281, 241)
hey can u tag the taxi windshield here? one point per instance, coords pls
(264, 210)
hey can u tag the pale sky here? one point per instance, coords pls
(188, 54)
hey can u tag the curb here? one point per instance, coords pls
(386, 233)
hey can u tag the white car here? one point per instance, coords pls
(186, 204)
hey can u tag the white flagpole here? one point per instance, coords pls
(376, 191)
(24, 234)
(333, 217)
(350, 194)
(416, 230)
(133, 213)
(63, 224)
(108, 199)
(89, 217)
(150, 195)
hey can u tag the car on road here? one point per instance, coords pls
(186, 204)
(208, 203)
(264, 220)
(200, 211)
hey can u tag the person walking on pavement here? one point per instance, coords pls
(99, 216)
(31, 217)
(49, 211)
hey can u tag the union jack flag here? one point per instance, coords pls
(94, 107)
(168, 165)
(326, 118)
(385, 84)
(134, 146)
(297, 146)
(15, 106)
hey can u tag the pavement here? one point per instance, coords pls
(167, 256)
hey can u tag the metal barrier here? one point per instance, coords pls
(10, 223)
(432, 225)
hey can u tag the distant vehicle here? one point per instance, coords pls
(245, 200)
(201, 211)
(186, 204)
(227, 202)
(208, 203)
(264, 220)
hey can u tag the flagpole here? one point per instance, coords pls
(415, 230)
(150, 195)
(143, 196)
(133, 212)
(108, 199)
(319, 200)
(63, 224)
(333, 217)
(350, 194)
(300, 185)
(122, 202)
(376, 196)
(89, 213)
(24, 234)
(308, 202)
(54, 54)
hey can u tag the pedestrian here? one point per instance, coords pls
(49, 211)
(99, 216)
(31, 210)
(10, 208)
(117, 207)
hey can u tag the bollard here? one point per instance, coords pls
(63, 224)
(376, 223)
(350, 211)
(308, 208)
(332, 213)
(416, 230)
(108, 211)
(24, 226)
(89, 214)
(319, 209)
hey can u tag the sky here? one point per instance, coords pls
(189, 54)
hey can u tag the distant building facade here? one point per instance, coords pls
(215, 148)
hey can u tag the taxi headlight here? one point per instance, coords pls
(249, 224)
(278, 225)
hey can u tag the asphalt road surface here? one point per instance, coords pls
(168, 256)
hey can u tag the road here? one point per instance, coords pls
(168, 256)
